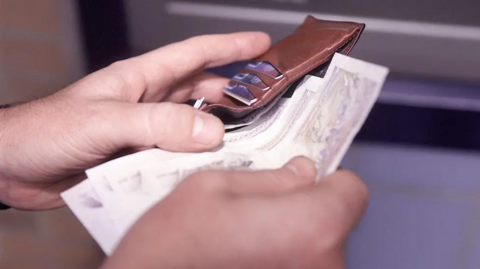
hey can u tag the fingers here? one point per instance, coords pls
(40, 196)
(204, 84)
(173, 127)
(336, 204)
(298, 172)
(151, 73)
(347, 193)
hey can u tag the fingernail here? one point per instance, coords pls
(292, 167)
(301, 166)
(206, 129)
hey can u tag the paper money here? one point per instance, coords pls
(329, 123)
(319, 121)
(89, 209)
(128, 193)
(275, 119)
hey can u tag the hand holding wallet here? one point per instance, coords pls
(308, 50)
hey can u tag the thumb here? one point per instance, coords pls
(170, 126)
(298, 172)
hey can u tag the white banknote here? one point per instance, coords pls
(128, 193)
(319, 121)
(85, 204)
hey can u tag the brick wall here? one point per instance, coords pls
(39, 54)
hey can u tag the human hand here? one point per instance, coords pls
(46, 145)
(237, 219)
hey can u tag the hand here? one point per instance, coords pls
(46, 145)
(236, 219)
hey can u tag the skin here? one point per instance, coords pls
(235, 219)
(130, 105)
(213, 219)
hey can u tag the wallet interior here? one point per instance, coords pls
(227, 116)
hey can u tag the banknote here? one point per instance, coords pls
(86, 205)
(252, 117)
(330, 121)
(264, 140)
(257, 127)
(275, 117)
(319, 121)
(128, 193)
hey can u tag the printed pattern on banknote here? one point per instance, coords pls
(330, 122)
(86, 205)
(262, 141)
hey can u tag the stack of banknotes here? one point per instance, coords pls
(319, 121)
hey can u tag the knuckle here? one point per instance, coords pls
(124, 75)
(348, 174)
(357, 185)
(196, 48)
(324, 229)
(120, 64)
(175, 119)
(203, 181)
(318, 231)
(238, 47)
(129, 64)
(304, 167)
(307, 165)
(166, 117)
(330, 237)
(149, 123)
(282, 179)
(362, 191)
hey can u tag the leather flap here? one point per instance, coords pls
(312, 44)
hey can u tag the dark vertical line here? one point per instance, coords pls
(104, 30)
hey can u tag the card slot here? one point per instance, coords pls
(255, 91)
(266, 79)
(250, 79)
(266, 68)
(262, 96)
(241, 93)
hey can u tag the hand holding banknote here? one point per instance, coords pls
(248, 219)
(46, 145)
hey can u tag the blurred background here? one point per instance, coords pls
(419, 151)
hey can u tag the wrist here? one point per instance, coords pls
(3, 154)
(3, 132)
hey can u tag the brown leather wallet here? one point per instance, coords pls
(308, 50)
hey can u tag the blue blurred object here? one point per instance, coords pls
(424, 209)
